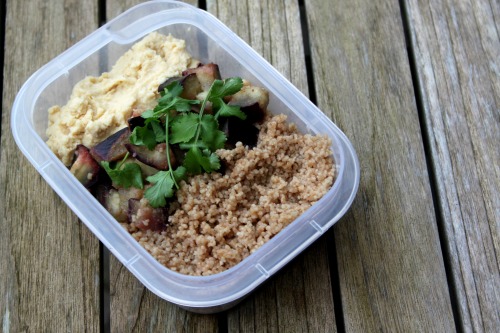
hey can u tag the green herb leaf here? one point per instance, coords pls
(170, 100)
(196, 160)
(184, 105)
(225, 88)
(188, 145)
(214, 161)
(184, 128)
(147, 114)
(208, 126)
(158, 131)
(218, 141)
(210, 134)
(221, 89)
(174, 89)
(163, 187)
(179, 174)
(192, 160)
(126, 175)
(144, 136)
(225, 110)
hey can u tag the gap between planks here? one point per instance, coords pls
(429, 162)
(3, 11)
(331, 246)
(104, 267)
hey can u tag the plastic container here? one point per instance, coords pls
(210, 41)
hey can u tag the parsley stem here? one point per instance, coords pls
(167, 148)
(122, 161)
(200, 114)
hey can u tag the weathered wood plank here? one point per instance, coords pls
(115, 8)
(299, 298)
(391, 269)
(457, 50)
(49, 276)
(133, 308)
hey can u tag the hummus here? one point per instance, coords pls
(100, 106)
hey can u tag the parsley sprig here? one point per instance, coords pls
(164, 181)
(124, 174)
(173, 122)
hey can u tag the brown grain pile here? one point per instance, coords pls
(221, 219)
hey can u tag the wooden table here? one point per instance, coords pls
(414, 84)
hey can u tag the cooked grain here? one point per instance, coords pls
(221, 219)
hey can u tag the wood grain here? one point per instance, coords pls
(135, 309)
(456, 48)
(299, 298)
(391, 270)
(49, 277)
(116, 7)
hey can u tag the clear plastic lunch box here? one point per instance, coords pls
(209, 40)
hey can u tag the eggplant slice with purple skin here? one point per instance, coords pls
(145, 217)
(252, 101)
(84, 167)
(116, 200)
(206, 75)
(157, 158)
(238, 130)
(194, 80)
(112, 148)
(135, 122)
(190, 84)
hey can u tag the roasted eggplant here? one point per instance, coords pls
(206, 75)
(252, 101)
(116, 200)
(238, 130)
(112, 148)
(84, 167)
(145, 217)
(135, 122)
(157, 158)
